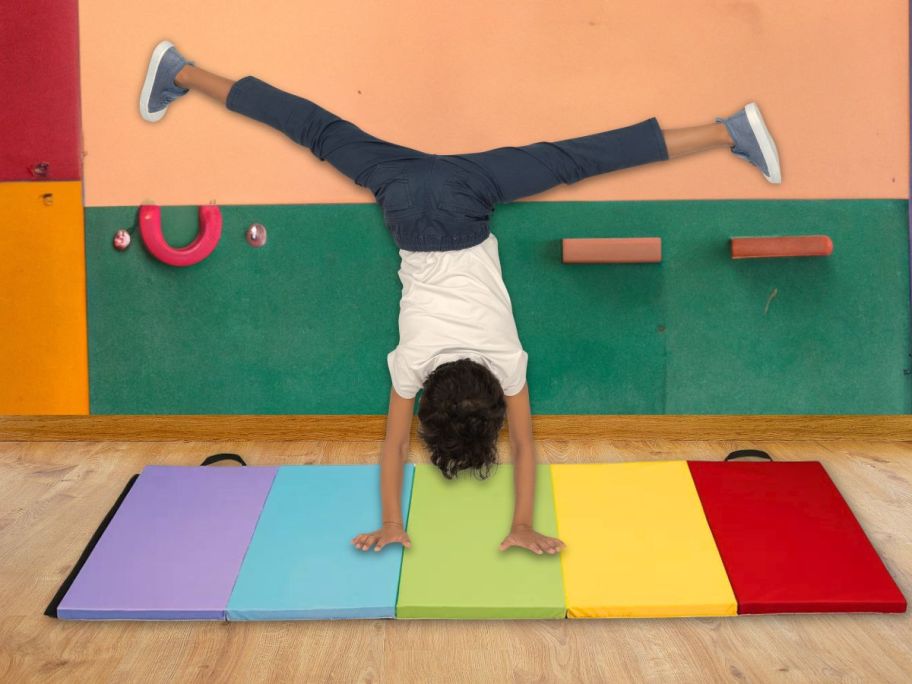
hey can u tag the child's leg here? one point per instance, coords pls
(213, 85)
(530, 169)
(681, 141)
(329, 137)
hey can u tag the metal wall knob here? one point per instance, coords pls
(256, 235)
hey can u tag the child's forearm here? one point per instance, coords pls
(523, 446)
(524, 484)
(391, 462)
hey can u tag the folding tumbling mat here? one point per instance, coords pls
(652, 539)
(301, 563)
(455, 569)
(637, 542)
(790, 542)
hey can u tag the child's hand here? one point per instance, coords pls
(527, 538)
(390, 533)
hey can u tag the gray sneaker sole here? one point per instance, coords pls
(766, 142)
(157, 55)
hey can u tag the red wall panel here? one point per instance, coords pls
(39, 77)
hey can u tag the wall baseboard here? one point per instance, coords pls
(149, 428)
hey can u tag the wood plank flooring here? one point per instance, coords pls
(53, 495)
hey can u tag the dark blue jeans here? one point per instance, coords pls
(441, 202)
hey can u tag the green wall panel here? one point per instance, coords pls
(304, 324)
(834, 337)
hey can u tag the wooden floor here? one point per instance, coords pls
(53, 495)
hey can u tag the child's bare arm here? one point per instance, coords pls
(519, 417)
(392, 457)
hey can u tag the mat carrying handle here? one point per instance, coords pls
(748, 453)
(216, 458)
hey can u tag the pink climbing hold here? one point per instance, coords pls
(210, 231)
(121, 240)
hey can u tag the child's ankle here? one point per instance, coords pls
(180, 79)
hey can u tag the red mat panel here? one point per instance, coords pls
(39, 75)
(789, 541)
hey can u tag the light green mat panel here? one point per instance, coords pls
(304, 324)
(455, 569)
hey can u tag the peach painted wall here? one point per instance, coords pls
(449, 76)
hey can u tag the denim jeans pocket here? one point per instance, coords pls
(391, 187)
(394, 194)
(458, 198)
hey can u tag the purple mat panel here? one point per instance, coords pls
(174, 549)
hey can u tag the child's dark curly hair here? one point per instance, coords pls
(461, 412)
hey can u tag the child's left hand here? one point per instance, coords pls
(528, 538)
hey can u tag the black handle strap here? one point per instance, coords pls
(748, 453)
(216, 458)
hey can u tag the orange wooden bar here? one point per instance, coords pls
(791, 246)
(612, 250)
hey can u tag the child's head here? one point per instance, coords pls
(460, 414)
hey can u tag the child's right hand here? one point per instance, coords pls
(391, 533)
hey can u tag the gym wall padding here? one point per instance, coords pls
(174, 548)
(304, 324)
(39, 74)
(638, 544)
(301, 564)
(43, 347)
(455, 570)
(790, 542)
(829, 75)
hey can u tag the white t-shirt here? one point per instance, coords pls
(455, 305)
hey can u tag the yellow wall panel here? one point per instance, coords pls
(638, 544)
(43, 356)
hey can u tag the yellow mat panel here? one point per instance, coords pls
(43, 359)
(638, 544)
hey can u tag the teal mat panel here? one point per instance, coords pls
(301, 564)
(304, 324)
